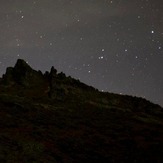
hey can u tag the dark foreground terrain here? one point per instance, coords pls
(53, 118)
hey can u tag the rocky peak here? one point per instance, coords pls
(22, 66)
(22, 70)
(21, 74)
(53, 71)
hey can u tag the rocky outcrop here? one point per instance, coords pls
(51, 84)
(21, 74)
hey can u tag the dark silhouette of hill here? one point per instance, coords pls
(53, 118)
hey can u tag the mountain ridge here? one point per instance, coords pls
(54, 118)
(24, 71)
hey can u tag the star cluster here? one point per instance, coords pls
(115, 46)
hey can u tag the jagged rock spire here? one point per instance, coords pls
(22, 74)
(53, 71)
(21, 65)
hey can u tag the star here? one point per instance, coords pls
(101, 57)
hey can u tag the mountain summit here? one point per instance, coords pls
(54, 118)
(21, 74)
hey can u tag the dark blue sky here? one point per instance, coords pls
(115, 46)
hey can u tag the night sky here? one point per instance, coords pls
(115, 46)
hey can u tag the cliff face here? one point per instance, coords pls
(53, 118)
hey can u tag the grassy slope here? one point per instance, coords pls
(87, 126)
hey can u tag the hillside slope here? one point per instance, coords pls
(53, 118)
